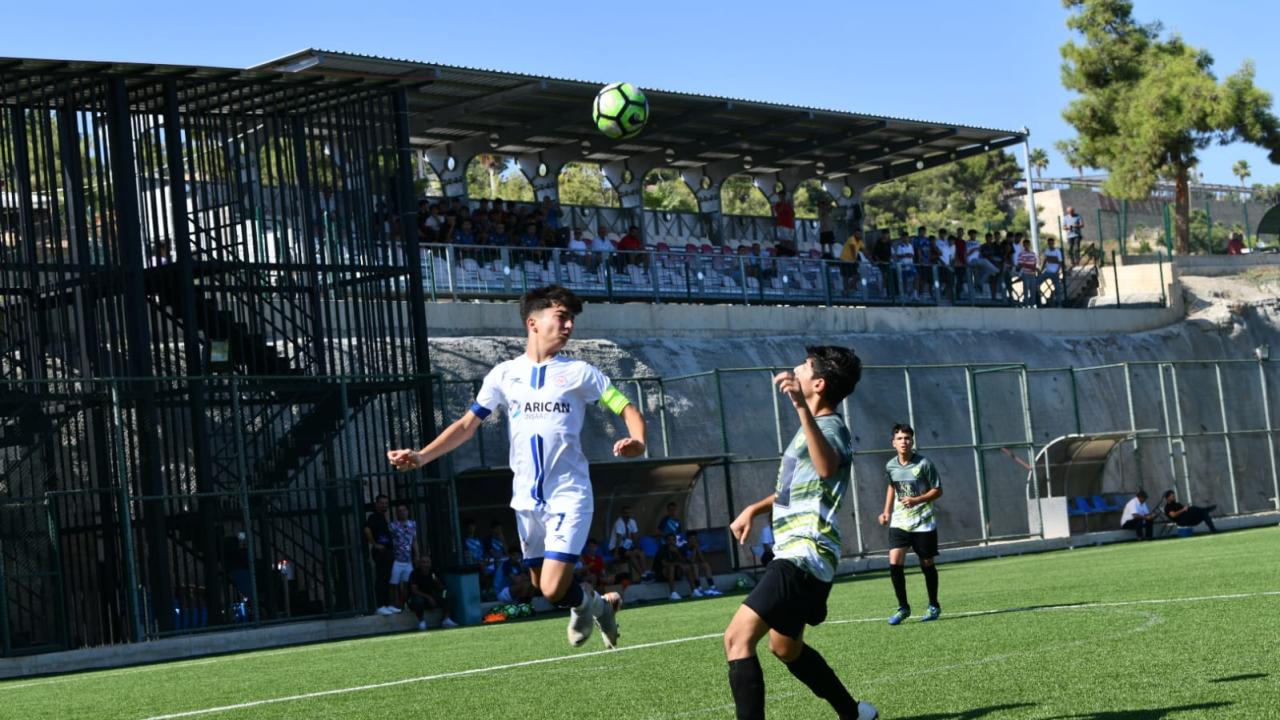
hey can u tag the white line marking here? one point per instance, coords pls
(1153, 619)
(542, 661)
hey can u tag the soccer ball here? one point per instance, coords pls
(620, 110)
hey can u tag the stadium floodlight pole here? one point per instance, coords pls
(1031, 194)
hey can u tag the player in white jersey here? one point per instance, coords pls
(545, 397)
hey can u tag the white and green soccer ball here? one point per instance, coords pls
(620, 110)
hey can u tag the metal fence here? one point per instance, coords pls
(1212, 435)
(88, 556)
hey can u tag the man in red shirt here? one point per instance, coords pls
(629, 248)
(592, 564)
(784, 218)
(1235, 246)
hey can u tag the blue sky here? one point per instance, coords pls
(992, 63)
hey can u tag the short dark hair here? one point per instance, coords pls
(381, 496)
(839, 367)
(671, 504)
(542, 298)
(1167, 493)
(403, 504)
(903, 428)
(1142, 495)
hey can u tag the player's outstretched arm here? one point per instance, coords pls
(446, 442)
(634, 445)
(740, 528)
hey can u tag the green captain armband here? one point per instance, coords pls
(614, 400)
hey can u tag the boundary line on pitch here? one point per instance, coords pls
(675, 641)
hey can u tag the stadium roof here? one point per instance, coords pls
(514, 113)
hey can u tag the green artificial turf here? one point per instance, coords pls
(1138, 631)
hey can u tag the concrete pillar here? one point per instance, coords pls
(628, 181)
(707, 190)
(451, 168)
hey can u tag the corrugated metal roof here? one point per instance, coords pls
(525, 77)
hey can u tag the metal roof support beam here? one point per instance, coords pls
(673, 124)
(721, 169)
(894, 147)
(890, 172)
(721, 141)
(449, 113)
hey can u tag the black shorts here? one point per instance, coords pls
(923, 544)
(788, 598)
(827, 237)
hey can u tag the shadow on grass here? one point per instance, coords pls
(1238, 678)
(1151, 714)
(1006, 611)
(972, 714)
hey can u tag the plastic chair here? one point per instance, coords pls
(1079, 506)
(649, 545)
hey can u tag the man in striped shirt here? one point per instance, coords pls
(813, 479)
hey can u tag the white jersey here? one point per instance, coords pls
(545, 405)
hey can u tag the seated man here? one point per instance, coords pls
(426, 592)
(701, 567)
(669, 564)
(1137, 516)
(511, 582)
(591, 565)
(624, 543)
(1187, 515)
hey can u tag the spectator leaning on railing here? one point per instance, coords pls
(1027, 265)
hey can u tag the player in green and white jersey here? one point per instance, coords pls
(908, 511)
(813, 479)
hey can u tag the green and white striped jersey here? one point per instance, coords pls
(805, 526)
(917, 477)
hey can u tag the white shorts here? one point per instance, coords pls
(554, 536)
(400, 572)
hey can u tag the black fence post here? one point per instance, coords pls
(138, 350)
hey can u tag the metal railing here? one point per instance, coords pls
(712, 275)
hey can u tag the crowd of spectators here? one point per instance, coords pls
(949, 262)
(493, 223)
(954, 263)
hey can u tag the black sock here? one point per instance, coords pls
(814, 672)
(930, 573)
(898, 574)
(572, 597)
(746, 681)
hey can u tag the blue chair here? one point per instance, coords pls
(649, 544)
(1079, 506)
(1100, 504)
